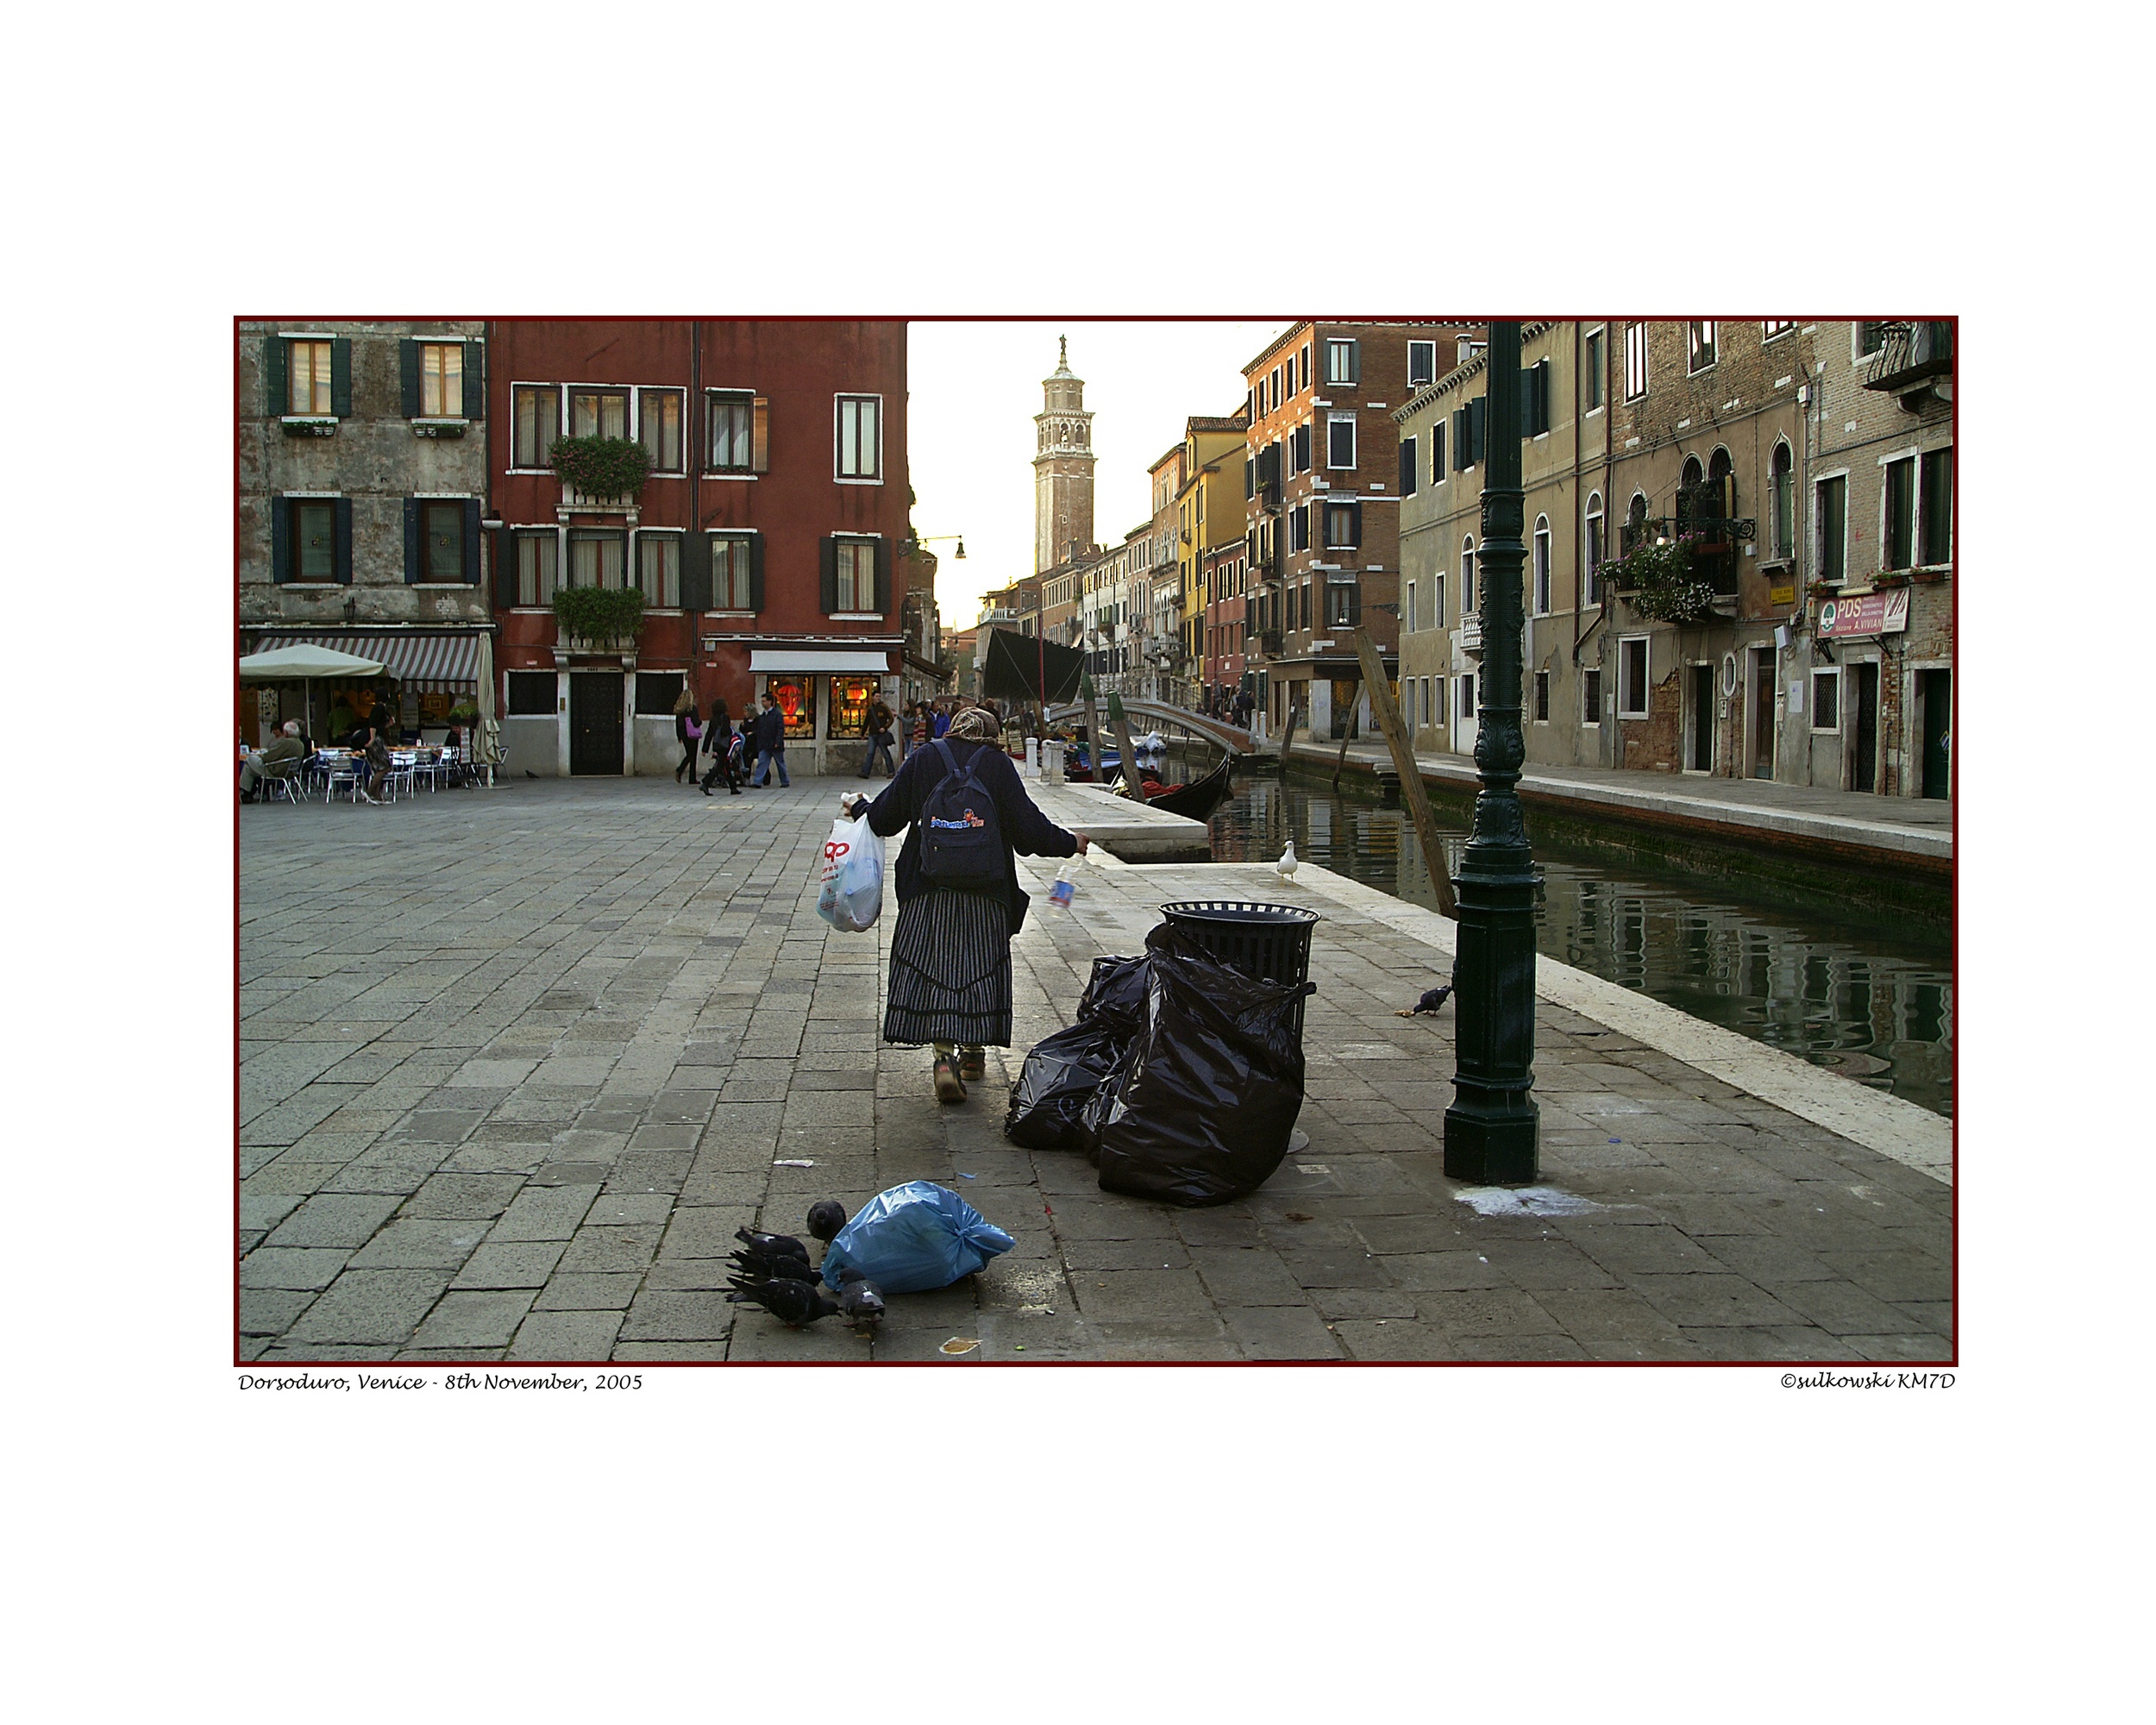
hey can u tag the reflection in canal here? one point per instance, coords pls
(1872, 1001)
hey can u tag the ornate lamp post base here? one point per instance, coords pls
(1492, 1128)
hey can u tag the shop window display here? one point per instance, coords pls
(796, 697)
(850, 698)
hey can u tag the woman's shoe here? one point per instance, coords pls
(973, 1064)
(706, 789)
(950, 1088)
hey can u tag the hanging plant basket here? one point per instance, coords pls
(601, 466)
(1658, 581)
(602, 616)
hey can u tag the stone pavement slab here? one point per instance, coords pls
(528, 1126)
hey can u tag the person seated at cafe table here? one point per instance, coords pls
(281, 760)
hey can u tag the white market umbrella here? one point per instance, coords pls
(303, 663)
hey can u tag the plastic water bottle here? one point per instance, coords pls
(1066, 887)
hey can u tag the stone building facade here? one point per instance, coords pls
(1869, 702)
(362, 451)
(1322, 506)
(1209, 516)
(1162, 652)
(1564, 421)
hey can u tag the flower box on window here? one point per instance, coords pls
(440, 428)
(309, 425)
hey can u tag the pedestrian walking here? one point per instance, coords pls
(720, 746)
(939, 724)
(921, 725)
(877, 729)
(379, 764)
(688, 730)
(770, 745)
(959, 899)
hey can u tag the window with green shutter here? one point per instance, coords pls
(1901, 514)
(1831, 513)
(1936, 533)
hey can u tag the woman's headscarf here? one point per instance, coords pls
(976, 725)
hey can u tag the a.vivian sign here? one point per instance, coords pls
(1871, 613)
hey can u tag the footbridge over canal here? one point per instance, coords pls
(1159, 716)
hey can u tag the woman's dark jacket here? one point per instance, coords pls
(1024, 827)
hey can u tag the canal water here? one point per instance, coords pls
(1872, 1000)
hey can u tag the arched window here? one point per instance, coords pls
(1596, 548)
(1636, 520)
(1782, 504)
(1542, 565)
(1691, 505)
(1467, 575)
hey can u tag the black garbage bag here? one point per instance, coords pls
(1115, 994)
(1201, 1109)
(1061, 1076)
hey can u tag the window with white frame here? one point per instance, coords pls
(733, 562)
(1869, 338)
(1303, 362)
(1593, 366)
(597, 412)
(1781, 503)
(597, 558)
(441, 379)
(856, 574)
(1343, 526)
(1422, 363)
(535, 411)
(535, 556)
(1342, 362)
(1597, 548)
(1339, 440)
(730, 430)
(1467, 575)
(1771, 327)
(1632, 676)
(861, 437)
(1437, 599)
(1407, 613)
(1635, 360)
(659, 426)
(1827, 698)
(1436, 706)
(1542, 565)
(659, 569)
(1591, 694)
(1699, 345)
(1466, 682)
(1273, 381)
(309, 368)
(1341, 610)
(1542, 697)
(1830, 520)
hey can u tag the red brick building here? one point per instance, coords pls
(765, 538)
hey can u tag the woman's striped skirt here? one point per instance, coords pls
(951, 970)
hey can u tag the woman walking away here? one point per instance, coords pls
(967, 812)
(718, 742)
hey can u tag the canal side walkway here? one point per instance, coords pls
(1911, 829)
(516, 1064)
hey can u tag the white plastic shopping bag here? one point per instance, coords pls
(851, 898)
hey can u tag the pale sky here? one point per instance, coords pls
(974, 389)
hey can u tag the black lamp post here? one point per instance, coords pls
(1492, 1129)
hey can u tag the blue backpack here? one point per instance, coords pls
(962, 839)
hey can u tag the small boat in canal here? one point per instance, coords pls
(1200, 797)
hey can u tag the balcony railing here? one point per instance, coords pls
(1910, 356)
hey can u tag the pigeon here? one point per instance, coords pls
(773, 1246)
(1430, 1001)
(860, 1301)
(825, 1218)
(793, 1303)
(1287, 866)
(771, 1266)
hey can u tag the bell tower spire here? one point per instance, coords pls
(1062, 468)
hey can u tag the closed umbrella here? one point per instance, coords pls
(487, 743)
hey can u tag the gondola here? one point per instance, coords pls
(1200, 797)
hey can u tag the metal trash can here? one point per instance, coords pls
(1268, 942)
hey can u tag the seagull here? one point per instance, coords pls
(1287, 866)
(1430, 1001)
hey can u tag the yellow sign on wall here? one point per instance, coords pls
(1782, 595)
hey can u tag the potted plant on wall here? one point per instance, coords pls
(1658, 582)
(613, 467)
(601, 618)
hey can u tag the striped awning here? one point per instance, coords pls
(442, 661)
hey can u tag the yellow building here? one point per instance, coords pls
(1208, 515)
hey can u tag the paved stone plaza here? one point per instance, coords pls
(515, 1065)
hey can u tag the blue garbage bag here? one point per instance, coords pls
(914, 1238)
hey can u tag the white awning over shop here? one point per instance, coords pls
(444, 661)
(818, 659)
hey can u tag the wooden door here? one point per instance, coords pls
(1763, 712)
(1935, 691)
(595, 722)
(1864, 766)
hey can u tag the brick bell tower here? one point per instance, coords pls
(1062, 471)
